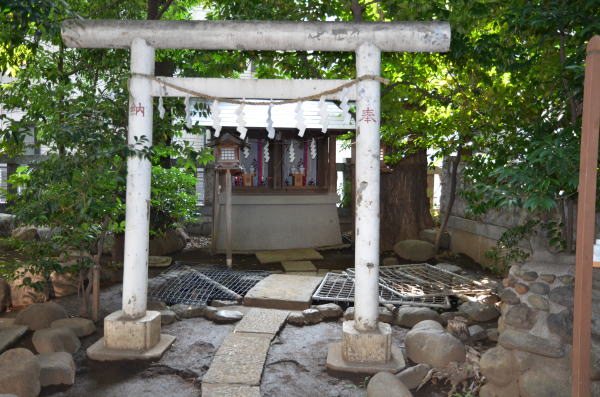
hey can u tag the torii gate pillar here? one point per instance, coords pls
(134, 332)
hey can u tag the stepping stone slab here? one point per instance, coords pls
(283, 291)
(288, 255)
(52, 340)
(239, 360)
(56, 369)
(216, 390)
(19, 373)
(298, 266)
(80, 326)
(9, 334)
(40, 315)
(262, 321)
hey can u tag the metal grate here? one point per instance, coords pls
(339, 287)
(198, 286)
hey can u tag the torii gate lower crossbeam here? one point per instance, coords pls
(366, 344)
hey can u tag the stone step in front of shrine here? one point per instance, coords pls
(283, 291)
(236, 369)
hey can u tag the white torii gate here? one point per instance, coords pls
(134, 332)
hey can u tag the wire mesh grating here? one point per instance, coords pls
(198, 286)
(339, 287)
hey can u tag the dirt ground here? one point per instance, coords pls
(295, 364)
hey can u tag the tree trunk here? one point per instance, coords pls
(451, 199)
(405, 208)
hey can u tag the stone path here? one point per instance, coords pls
(237, 366)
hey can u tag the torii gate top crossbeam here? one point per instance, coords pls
(259, 35)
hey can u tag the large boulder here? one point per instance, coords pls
(492, 390)
(23, 295)
(429, 343)
(64, 283)
(172, 241)
(498, 366)
(19, 373)
(546, 377)
(385, 384)
(5, 299)
(414, 250)
(409, 316)
(52, 340)
(56, 369)
(40, 315)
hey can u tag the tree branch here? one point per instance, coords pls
(164, 8)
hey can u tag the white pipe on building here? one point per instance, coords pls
(366, 261)
(139, 170)
(259, 35)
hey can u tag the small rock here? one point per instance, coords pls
(539, 288)
(480, 312)
(312, 316)
(492, 334)
(408, 316)
(509, 281)
(52, 340)
(562, 296)
(520, 316)
(458, 326)
(529, 276)
(538, 302)
(19, 373)
(385, 384)
(223, 303)
(513, 339)
(449, 267)
(385, 315)
(498, 366)
(330, 311)
(567, 279)
(80, 326)
(227, 316)
(428, 343)
(508, 296)
(25, 233)
(390, 261)
(477, 333)
(413, 376)
(430, 235)
(156, 306)
(561, 324)
(40, 315)
(521, 288)
(447, 316)
(56, 369)
(159, 261)
(167, 317)
(414, 250)
(188, 311)
(549, 278)
(295, 318)
(5, 300)
(210, 312)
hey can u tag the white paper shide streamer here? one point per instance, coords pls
(241, 122)
(345, 107)
(300, 119)
(188, 112)
(246, 152)
(266, 155)
(270, 128)
(292, 153)
(215, 113)
(324, 114)
(161, 108)
(313, 148)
